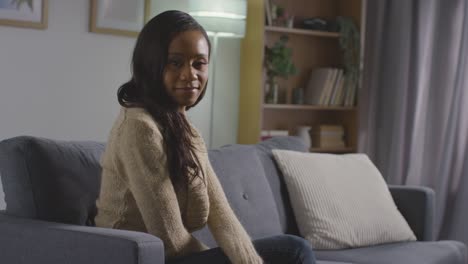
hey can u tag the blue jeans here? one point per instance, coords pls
(282, 249)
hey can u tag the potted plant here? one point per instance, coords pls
(278, 63)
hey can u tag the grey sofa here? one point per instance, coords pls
(48, 190)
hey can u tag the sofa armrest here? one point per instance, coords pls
(416, 204)
(25, 241)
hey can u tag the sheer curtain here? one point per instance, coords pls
(414, 101)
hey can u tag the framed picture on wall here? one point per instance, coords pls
(118, 17)
(24, 13)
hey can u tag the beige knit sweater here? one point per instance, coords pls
(137, 193)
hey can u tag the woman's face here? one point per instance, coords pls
(186, 72)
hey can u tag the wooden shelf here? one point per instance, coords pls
(307, 32)
(336, 151)
(311, 49)
(308, 107)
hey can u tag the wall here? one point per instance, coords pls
(61, 82)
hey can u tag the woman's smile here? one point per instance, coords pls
(188, 90)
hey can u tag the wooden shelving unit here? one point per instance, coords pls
(309, 107)
(306, 32)
(330, 150)
(311, 49)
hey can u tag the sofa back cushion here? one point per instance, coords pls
(50, 180)
(242, 176)
(276, 179)
(60, 181)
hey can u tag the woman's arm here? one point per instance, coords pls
(224, 225)
(144, 163)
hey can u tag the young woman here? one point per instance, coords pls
(156, 174)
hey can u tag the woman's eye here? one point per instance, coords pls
(200, 64)
(175, 63)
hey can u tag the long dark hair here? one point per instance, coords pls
(146, 89)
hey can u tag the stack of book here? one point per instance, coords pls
(266, 134)
(329, 87)
(328, 136)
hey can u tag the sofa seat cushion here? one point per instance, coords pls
(242, 177)
(440, 252)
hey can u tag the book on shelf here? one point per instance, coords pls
(338, 101)
(318, 81)
(328, 136)
(328, 144)
(266, 134)
(328, 86)
(334, 82)
(350, 93)
(336, 89)
(328, 129)
(324, 86)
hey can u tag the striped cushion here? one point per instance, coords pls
(341, 201)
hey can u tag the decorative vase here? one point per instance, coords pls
(304, 133)
(298, 96)
(272, 93)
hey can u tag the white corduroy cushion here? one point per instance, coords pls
(341, 201)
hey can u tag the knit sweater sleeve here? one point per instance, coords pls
(224, 225)
(144, 163)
